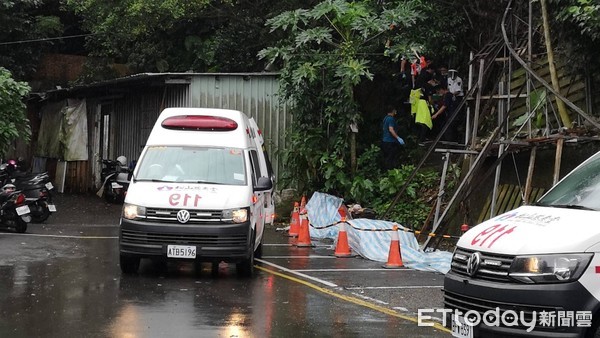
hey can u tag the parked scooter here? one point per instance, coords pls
(115, 176)
(14, 211)
(36, 187)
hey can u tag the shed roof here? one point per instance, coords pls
(151, 79)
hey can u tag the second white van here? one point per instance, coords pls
(533, 271)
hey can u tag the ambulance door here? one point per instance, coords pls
(257, 209)
(266, 170)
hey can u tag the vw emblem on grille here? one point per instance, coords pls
(473, 263)
(183, 216)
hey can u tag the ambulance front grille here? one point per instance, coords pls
(133, 237)
(493, 267)
(196, 216)
(527, 313)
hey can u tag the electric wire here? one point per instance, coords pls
(46, 39)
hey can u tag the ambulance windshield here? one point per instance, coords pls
(580, 189)
(192, 165)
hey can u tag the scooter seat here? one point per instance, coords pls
(27, 185)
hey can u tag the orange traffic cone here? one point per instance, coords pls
(342, 212)
(342, 249)
(295, 222)
(304, 235)
(394, 257)
(303, 202)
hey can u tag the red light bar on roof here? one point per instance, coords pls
(199, 123)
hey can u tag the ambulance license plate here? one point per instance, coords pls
(461, 330)
(181, 251)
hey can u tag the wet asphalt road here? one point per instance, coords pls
(62, 279)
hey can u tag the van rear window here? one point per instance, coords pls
(193, 165)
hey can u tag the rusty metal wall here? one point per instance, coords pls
(134, 105)
(134, 114)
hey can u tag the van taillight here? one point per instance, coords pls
(199, 122)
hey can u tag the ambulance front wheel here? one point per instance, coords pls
(259, 250)
(246, 267)
(129, 264)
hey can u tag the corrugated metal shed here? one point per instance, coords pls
(254, 95)
(124, 110)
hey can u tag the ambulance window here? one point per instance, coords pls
(269, 166)
(581, 188)
(192, 165)
(255, 166)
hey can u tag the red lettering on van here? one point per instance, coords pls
(495, 232)
(500, 235)
(188, 200)
(483, 233)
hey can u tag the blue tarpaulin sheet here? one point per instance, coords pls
(322, 210)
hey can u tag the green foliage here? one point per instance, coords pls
(373, 188)
(21, 21)
(363, 187)
(585, 14)
(323, 55)
(453, 177)
(577, 29)
(180, 35)
(141, 32)
(13, 120)
(537, 99)
(327, 51)
(434, 33)
(413, 207)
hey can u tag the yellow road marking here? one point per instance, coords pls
(350, 299)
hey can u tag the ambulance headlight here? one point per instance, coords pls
(235, 215)
(558, 268)
(132, 211)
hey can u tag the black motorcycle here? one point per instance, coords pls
(14, 210)
(115, 176)
(37, 188)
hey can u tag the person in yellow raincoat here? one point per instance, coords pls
(421, 110)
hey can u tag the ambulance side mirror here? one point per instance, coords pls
(264, 183)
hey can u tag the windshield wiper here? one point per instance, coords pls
(152, 180)
(202, 181)
(567, 206)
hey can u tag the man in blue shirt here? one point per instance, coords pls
(444, 112)
(389, 144)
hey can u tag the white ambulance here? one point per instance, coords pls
(533, 271)
(201, 191)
